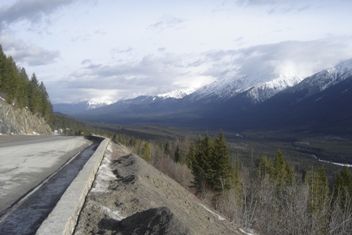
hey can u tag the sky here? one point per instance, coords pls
(118, 49)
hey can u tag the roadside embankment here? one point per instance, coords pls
(63, 218)
(129, 196)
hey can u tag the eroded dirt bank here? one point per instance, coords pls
(129, 196)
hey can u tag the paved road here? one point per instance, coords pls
(28, 161)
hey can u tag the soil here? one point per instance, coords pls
(129, 196)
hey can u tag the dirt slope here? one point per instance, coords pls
(129, 196)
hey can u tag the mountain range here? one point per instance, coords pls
(316, 103)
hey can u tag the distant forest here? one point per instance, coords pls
(17, 89)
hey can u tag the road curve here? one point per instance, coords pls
(27, 162)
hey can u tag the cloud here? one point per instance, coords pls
(167, 22)
(167, 71)
(151, 73)
(279, 6)
(303, 58)
(74, 95)
(31, 10)
(121, 51)
(25, 54)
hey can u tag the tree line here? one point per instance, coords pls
(17, 89)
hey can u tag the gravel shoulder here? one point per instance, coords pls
(129, 196)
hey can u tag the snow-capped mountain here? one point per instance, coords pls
(256, 87)
(326, 78)
(98, 102)
(318, 102)
(81, 106)
(176, 94)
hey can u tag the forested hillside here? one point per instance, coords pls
(17, 89)
(267, 194)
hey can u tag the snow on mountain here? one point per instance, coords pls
(177, 94)
(326, 78)
(266, 90)
(72, 108)
(98, 102)
(257, 87)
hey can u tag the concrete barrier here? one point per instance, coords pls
(64, 216)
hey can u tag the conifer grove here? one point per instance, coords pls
(17, 89)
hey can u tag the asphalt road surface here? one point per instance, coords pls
(26, 162)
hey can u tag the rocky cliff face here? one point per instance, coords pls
(21, 121)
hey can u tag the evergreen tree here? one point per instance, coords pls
(167, 149)
(146, 153)
(201, 167)
(45, 106)
(279, 170)
(211, 164)
(2, 69)
(22, 98)
(318, 201)
(18, 90)
(290, 176)
(283, 173)
(265, 168)
(343, 188)
(221, 165)
(34, 96)
(10, 80)
(191, 155)
(178, 157)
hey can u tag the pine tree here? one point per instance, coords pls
(22, 98)
(34, 97)
(279, 170)
(178, 157)
(211, 164)
(146, 153)
(45, 106)
(10, 80)
(167, 149)
(2, 69)
(289, 175)
(221, 165)
(191, 155)
(265, 168)
(343, 188)
(318, 201)
(283, 173)
(201, 167)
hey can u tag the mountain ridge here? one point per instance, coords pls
(239, 111)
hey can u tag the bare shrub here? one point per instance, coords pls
(179, 172)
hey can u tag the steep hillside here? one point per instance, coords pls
(25, 107)
(129, 196)
(14, 120)
(326, 110)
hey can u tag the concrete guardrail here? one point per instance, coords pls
(64, 216)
